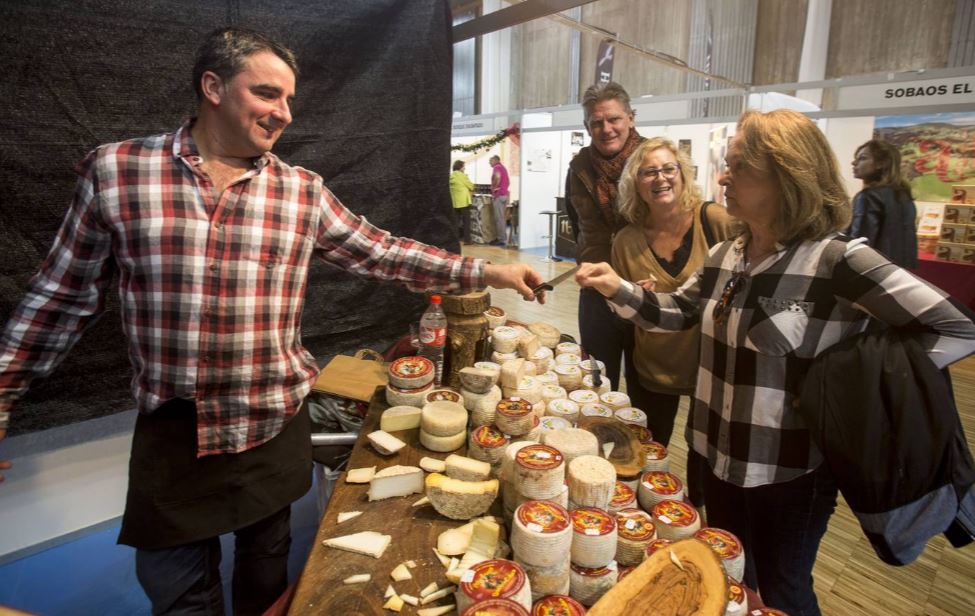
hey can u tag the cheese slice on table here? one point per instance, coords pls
(360, 475)
(368, 542)
(397, 418)
(396, 481)
(432, 465)
(385, 443)
(467, 469)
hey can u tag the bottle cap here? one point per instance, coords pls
(435, 299)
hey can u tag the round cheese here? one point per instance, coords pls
(528, 388)
(553, 391)
(504, 339)
(642, 433)
(494, 579)
(547, 335)
(568, 347)
(396, 396)
(514, 416)
(737, 599)
(443, 418)
(595, 409)
(615, 400)
(482, 406)
(541, 533)
(499, 358)
(444, 394)
(588, 384)
(512, 372)
(495, 607)
(675, 519)
(559, 604)
(567, 359)
(624, 497)
(635, 532)
(539, 472)
(564, 408)
(570, 377)
(490, 366)
(632, 416)
(442, 444)
(547, 378)
(727, 547)
(460, 500)
(495, 316)
(545, 581)
(656, 544)
(592, 481)
(549, 423)
(507, 471)
(586, 366)
(477, 380)
(410, 372)
(572, 442)
(487, 444)
(587, 586)
(593, 537)
(657, 486)
(657, 457)
(584, 396)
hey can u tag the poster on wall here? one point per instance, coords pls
(718, 146)
(937, 149)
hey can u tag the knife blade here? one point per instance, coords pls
(597, 380)
(551, 284)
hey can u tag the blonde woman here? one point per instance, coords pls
(768, 302)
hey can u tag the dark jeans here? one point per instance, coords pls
(186, 579)
(462, 219)
(780, 526)
(604, 335)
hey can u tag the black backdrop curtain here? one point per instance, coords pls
(372, 116)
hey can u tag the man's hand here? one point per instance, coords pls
(518, 276)
(599, 276)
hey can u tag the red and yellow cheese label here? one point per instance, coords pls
(657, 544)
(489, 437)
(662, 482)
(653, 449)
(674, 513)
(635, 525)
(724, 544)
(545, 516)
(514, 407)
(439, 395)
(592, 521)
(736, 594)
(495, 607)
(494, 311)
(558, 605)
(539, 457)
(623, 496)
(598, 572)
(493, 579)
(642, 433)
(411, 367)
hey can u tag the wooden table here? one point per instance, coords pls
(414, 530)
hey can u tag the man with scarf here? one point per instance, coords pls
(591, 198)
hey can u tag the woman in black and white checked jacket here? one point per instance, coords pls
(768, 302)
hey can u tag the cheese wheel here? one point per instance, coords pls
(542, 359)
(630, 481)
(490, 366)
(535, 434)
(482, 406)
(587, 383)
(586, 366)
(407, 397)
(657, 486)
(546, 581)
(630, 415)
(495, 607)
(737, 599)
(507, 470)
(460, 500)
(572, 442)
(559, 604)
(443, 394)
(547, 335)
(564, 408)
(567, 359)
(658, 459)
(592, 481)
(504, 339)
(539, 471)
(584, 396)
(494, 579)
(675, 519)
(530, 369)
(553, 392)
(593, 537)
(541, 533)
(512, 372)
(570, 377)
(587, 586)
(477, 380)
(410, 372)
(527, 345)
(615, 400)
(568, 347)
(487, 444)
(547, 378)
(595, 409)
(642, 433)
(727, 547)
(528, 389)
(443, 418)
(549, 423)
(514, 416)
(635, 531)
(655, 545)
(624, 497)
(442, 444)
(495, 316)
(499, 358)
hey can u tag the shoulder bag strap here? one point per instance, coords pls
(706, 226)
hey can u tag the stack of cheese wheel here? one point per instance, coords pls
(595, 409)
(549, 423)
(635, 532)
(623, 571)
(570, 377)
(558, 605)
(583, 396)
(487, 444)
(548, 336)
(642, 433)
(547, 378)
(490, 366)
(494, 579)
(675, 519)
(615, 400)
(631, 415)
(589, 385)
(529, 389)
(483, 407)
(541, 533)
(506, 473)
(656, 544)
(553, 392)
(443, 426)
(527, 344)
(495, 607)
(543, 360)
(495, 316)
(539, 472)
(657, 458)
(504, 339)
(737, 599)
(587, 586)
(624, 497)
(478, 387)
(572, 443)
(500, 358)
(592, 481)
(396, 396)
(568, 347)
(514, 416)
(728, 548)
(410, 380)
(657, 486)
(631, 481)
(564, 408)
(593, 537)
(567, 359)
(443, 393)
(553, 580)
(535, 434)
(512, 372)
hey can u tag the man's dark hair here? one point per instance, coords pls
(225, 49)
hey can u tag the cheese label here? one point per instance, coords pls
(547, 379)
(487, 365)
(635, 525)
(591, 521)
(439, 395)
(566, 407)
(555, 423)
(596, 409)
(614, 397)
(568, 359)
(631, 414)
(676, 513)
(549, 516)
(653, 449)
(597, 572)
(657, 544)
(528, 382)
(496, 607)
(568, 347)
(724, 544)
(642, 433)
(622, 496)
(624, 571)
(494, 579)
(541, 353)
(489, 437)
(568, 370)
(411, 366)
(583, 396)
(505, 331)
(514, 407)
(557, 605)
(495, 311)
(662, 482)
(538, 457)
(736, 594)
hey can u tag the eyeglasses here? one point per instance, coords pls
(723, 308)
(668, 172)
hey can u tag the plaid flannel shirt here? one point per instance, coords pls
(794, 305)
(211, 290)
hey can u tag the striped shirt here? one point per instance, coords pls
(211, 288)
(792, 306)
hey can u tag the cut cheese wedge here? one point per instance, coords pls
(345, 516)
(385, 443)
(397, 418)
(394, 604)
(359, 578)
(432, 465)
(360, 475)
(400, 573)
(460, 500)
(467, 469)
(368, 542)
(396, 481)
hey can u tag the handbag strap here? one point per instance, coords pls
(706, 226)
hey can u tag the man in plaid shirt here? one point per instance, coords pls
(211, 235)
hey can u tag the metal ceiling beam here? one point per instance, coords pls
(512, 16)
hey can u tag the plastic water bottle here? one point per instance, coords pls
(433, 336)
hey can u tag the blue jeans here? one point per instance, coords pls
(780, 526)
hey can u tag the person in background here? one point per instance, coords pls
(461, 194)
(670, 231)
(768, 302)
(884, 211)
(592, 193)
(499, 200)
(209, 236)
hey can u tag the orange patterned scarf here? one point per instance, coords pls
(608, 171)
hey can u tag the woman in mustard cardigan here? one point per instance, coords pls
(461, 191)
